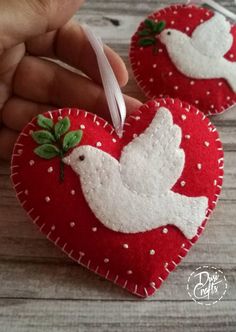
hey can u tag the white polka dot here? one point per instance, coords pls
(114, 140)
(176, 87)
(26, 192)
(212, 106)
(160, 95)
(183, 117)
(82, 126)
(172, 22)
(196, 102)
(50, 169)
(47, 199)
(98, 144)
(31, 162)
(220, 83)
(125, 245)
(141, 48)
(201, 20)
(53, 227)
(175, 12)
(208, 93)
(160, 50)
(187, 28)
(182, 183)
(106, 260)
(190, 15)
(192, 83)
(129, 272)
(187, 136)
(135, 135)
(152, 252)
(199, 166)
(154, 65)
(81, 253)
(72, 224)
(207, 14)
(138, 63)
(228, 98)
(183, 245)
(151, 80)
(165, 230)
(94, 229)
(72, 192)
(231, 56)
(170, 73)
(206, 143)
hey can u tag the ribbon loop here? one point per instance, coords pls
(114, 96)
(214, 5)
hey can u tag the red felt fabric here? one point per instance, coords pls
(33, 183)
(157, 76)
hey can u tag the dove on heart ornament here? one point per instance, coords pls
(128, 208)
(189, 52)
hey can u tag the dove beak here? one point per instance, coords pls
(67, 160)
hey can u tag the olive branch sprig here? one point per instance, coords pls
(55, 140)
(149, 33)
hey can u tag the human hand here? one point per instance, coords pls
(29, 85)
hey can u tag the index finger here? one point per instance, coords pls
(70, 45)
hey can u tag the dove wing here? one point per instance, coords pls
(213, 38)
(153, 162)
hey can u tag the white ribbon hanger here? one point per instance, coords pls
(114, 96)
(214, 5)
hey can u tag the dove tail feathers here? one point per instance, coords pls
(231, 76)
(191, 214)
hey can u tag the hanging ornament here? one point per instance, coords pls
(129, 201)
(188, 52)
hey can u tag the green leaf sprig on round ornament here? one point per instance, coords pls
(148, 35)
(55, 140)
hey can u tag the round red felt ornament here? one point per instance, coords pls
(188, 52)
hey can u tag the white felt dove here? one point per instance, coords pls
(134, 194)
(201, 56)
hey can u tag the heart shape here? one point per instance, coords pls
(191, 55)
(133, 259)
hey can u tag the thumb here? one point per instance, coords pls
(21, 20)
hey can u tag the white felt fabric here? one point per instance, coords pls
(115, 199)
(202, 55)
(213, 37)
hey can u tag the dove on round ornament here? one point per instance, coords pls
(126, 202)
(187, 52)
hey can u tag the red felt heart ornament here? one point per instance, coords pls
(83, 187)
(187, 52)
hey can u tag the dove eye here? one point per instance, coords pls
(168, 33)
(82, 157)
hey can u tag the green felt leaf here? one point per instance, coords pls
(147, 41)
(71, 139)
(149, 24)
(144, 32)
(159, 26)
(47, 151)
(44, 122)
(62, 126)
(43, 137)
